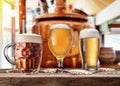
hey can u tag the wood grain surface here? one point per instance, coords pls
(65, 79)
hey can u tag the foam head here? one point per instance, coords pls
(89, 33)
(64, 26)
(33, 38)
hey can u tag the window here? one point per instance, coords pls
(112, 40)
(6, 31)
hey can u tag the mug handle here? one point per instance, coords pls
(6, 53)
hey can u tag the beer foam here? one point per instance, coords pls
(34, 38)
(65, 26)
(89, 33)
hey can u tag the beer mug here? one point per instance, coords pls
(89, 48)
(27, 52)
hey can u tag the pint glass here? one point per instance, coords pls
(89, 48)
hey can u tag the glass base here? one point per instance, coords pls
(93, 70)
(60, 64)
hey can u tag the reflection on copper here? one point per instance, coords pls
(67, 15)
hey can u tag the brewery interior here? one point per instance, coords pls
(29, 16)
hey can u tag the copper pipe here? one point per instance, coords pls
(22, 14)
(60, 6)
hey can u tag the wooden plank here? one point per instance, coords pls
(43, 79)
(92, 7)
(114, 25)
(110, 12)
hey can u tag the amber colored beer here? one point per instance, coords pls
(27, 56)
(90, 49)
(89, 40)
(59, 42)
(28, 50)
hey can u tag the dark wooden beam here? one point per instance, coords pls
(98, 28)
(102, 39)
(114, 25)
(102, 35)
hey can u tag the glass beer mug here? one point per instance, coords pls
(28, 52)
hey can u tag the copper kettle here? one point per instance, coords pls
(76, 19)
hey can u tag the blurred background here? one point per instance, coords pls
(104, 14)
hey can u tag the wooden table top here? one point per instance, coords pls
(101, 78)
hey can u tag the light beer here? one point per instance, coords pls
(89, 40)
(59, 41)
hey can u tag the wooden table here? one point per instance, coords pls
(64, 79)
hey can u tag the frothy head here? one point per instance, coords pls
(64, 26)
(89, 33)
(34, 38)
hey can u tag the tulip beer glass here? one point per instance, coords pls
(60, 41)
(28, 51)
(89, 44)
